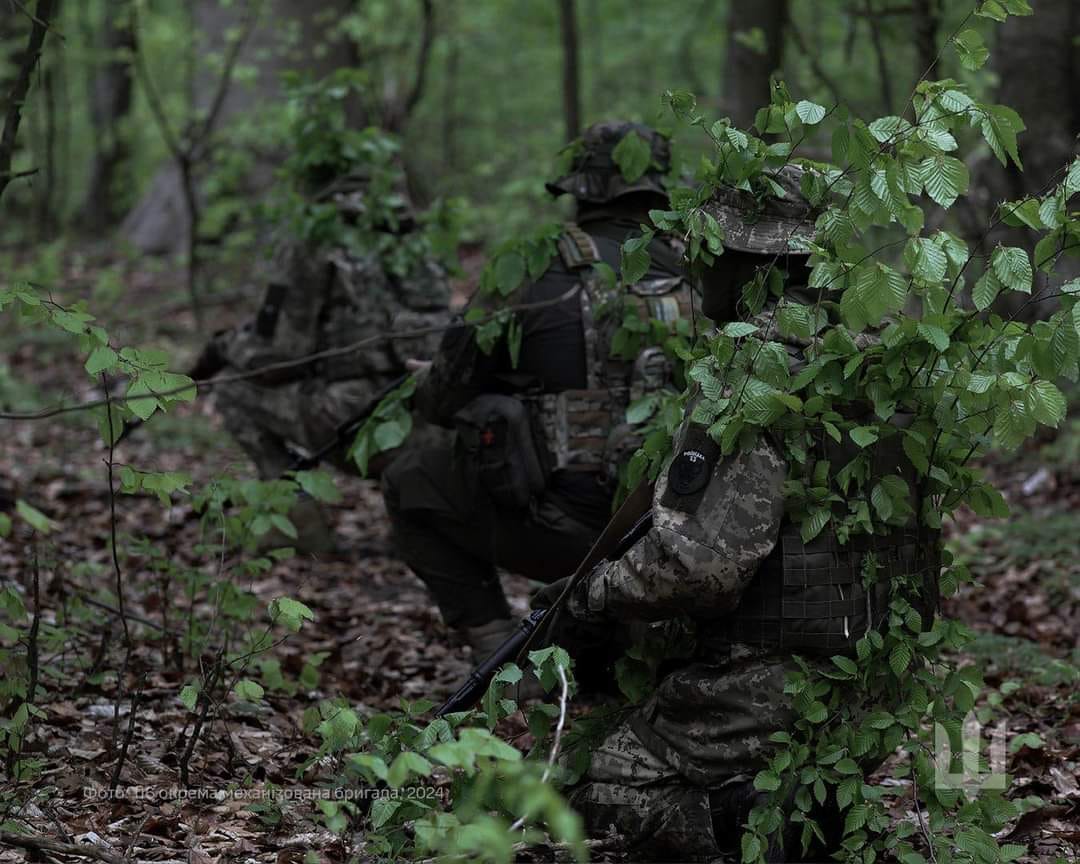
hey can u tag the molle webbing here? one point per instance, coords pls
(812, 597)
(577, 249)
(575, 424)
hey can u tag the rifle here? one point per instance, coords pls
(631, 521)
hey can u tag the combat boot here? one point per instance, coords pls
(314, 535)
(485, 639)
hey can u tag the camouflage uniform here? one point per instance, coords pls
(319, 302)
(675, 778)
(448, 526)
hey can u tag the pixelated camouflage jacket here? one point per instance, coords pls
(716, 520)
(336, 298)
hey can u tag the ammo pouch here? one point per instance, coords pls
(496, 435)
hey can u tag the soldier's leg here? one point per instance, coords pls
(660, 816)
(453, 537)
(696, 745)
(430, 504)
(262, 420)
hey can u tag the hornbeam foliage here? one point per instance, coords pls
(971, 375)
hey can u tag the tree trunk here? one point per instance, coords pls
(110, 105)
(20, 86)
(571, 67)
(927, 21)
(748, 68)
(450, 100)
(1036, 59)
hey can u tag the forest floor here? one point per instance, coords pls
(377, 639)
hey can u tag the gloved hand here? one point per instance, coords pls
(577, 604)
(546, 596)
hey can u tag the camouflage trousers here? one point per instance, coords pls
(660, 777)
(265, 420)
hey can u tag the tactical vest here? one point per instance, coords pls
(821, 597)
(586, 430)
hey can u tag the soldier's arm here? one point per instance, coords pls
(459, 372)
(709, 535)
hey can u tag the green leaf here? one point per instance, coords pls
(405, 766)
(383, 810)
(945, 178)
(247, 690)
(883, 504)
(290, 613)
(934, 335)
(284, 525)
(767, 781)
(632, 155)
(509, 272)
(1013, 267)
(814, 523)
(900, 659)
(864, 436)
(736, 329)
(810, 112)
(634, 264)
(34, 517)
(992, 9)
(986, 290)
(140, 399)
(1047, 403)
(319, 485)
(845, 664)
(971, 49)
(101, 358)
(392, 433)
(642, 409)
(1000, 126)
(189, 695)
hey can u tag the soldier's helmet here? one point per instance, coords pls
(593, 175)
(768, 224)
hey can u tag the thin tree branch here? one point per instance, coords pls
(553, 755)
(879, 49)
(37, 843)
(17, 96)
(305, 360)
(153, 98)
(815, 61)
(199, 140)
(112, 513)
(427, 39)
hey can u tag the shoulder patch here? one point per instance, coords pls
(691, 470)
